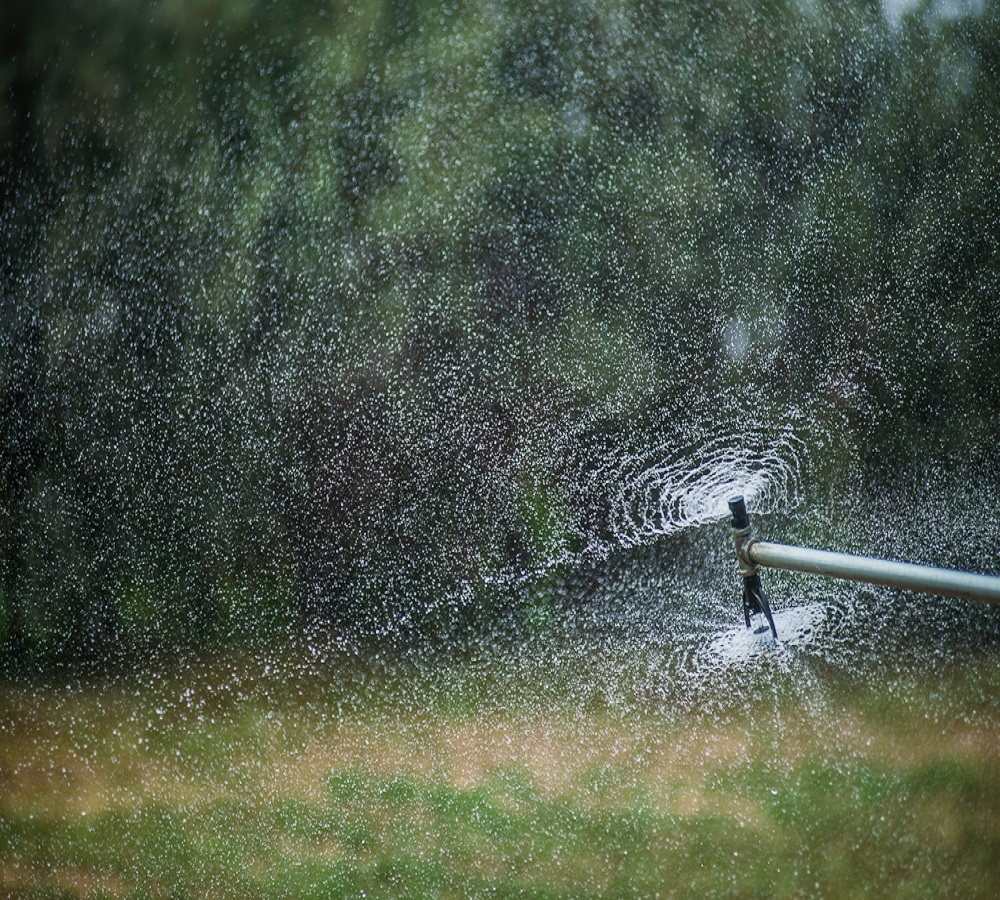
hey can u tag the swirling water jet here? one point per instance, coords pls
(673, 490)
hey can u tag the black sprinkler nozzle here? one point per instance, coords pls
(738, 508)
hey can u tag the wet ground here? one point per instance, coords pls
(565, 767)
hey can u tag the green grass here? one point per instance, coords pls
(862, 829)
(240, 782)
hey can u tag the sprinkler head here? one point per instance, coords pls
(754, 598)
(738, 508)
(755, 603)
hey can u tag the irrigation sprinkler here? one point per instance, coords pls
(752, 554)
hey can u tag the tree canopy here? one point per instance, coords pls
(309, 311)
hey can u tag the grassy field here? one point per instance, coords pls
(293, 778)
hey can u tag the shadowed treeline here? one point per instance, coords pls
(321, 314)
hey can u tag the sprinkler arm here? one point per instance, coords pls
(751, 554)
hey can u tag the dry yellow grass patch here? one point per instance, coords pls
(16, 880)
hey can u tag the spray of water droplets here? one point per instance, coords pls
(628, 490)
(691, 487)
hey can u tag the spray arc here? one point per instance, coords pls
(753, 554)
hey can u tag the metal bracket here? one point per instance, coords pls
(742, 539)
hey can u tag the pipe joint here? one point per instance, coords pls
(743, 538)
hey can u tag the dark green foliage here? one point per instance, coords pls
(303, 306)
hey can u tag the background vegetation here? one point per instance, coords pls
(304, 306)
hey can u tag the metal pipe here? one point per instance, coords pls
(751, 554)
(908, 576)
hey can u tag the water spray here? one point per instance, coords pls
(752, 554)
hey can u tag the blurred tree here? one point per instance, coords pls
(320, 312)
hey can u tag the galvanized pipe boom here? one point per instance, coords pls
(752, 554)
(907, 576)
